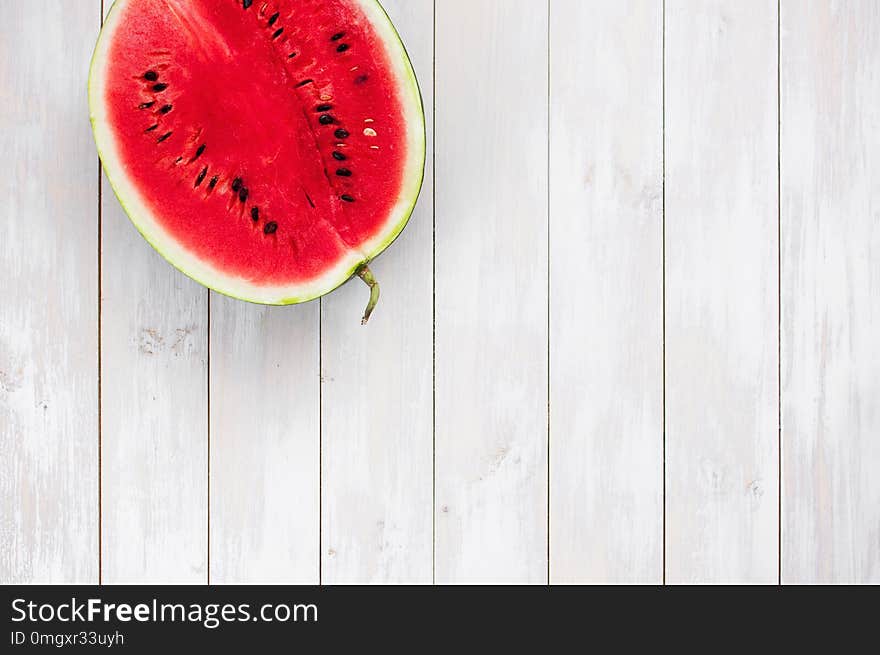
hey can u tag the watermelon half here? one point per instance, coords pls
(269, 150)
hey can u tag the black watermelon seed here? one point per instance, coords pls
(243, 194)
(338, 156)
(164, 137)
(343, 172)
(360, 79)
(346, 197)
(213, 182)
(146, 105)
(337, 36)
(151, 76)
(200, 151)
(236, 184)
(151, 128)
(304, 82)
(273, 18)
(342, 47)
(271, 227)
(325, 119)
(323, 107)
(278, 32)
(291, 55)
(158, 88)
(165, 109)
(202, 175)
(255, 213)
(247, 3)
(341, 134)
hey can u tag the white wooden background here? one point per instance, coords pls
(631, 334)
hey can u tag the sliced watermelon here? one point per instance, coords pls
(269, 150)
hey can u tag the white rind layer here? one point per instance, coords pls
(202, 271)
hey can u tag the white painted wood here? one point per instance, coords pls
(377, 389)
(491, 292)
(155, 415)
(490, 421)
(721, 292)
(49, 286)
(830, 146)
(606, 245)
(154, 412)
(264, 443)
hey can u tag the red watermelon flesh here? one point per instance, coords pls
(267, 149)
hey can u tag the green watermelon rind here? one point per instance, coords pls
(379, 244)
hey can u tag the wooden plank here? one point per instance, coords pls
(491, 292)
(49, 326)
(264, 443)
(377, 389)
(606, 244)
(830, 154)
(721, 292)
(154, 412)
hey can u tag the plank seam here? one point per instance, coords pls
(549, 128)
(208, 409)
(100, 357)
(779, 289)
(434, 295)
(320, 441)
(663, 272)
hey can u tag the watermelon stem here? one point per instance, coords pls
(366, 275)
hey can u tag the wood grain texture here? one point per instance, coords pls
(154, 412)
(830, 73)
(483, 396)
(264, 443)
(491, 292)
(49, 316)
(155, 415)
(721, 292)
(377, 389)
(606, 510)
